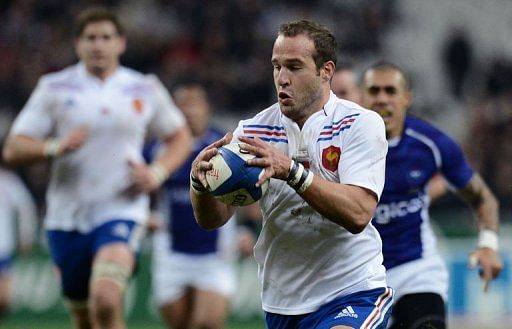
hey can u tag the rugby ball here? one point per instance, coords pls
(231, 180)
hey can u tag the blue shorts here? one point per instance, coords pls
(73, 253)
(368, 309)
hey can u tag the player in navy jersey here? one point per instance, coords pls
(193, 269)
(417, 152)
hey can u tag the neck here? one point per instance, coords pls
(315, 106)
(100, 73)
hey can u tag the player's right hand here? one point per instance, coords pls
(74, 140)
(200, 165)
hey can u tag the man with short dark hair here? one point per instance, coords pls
(320, 258)
(91, 120)
(418, 152)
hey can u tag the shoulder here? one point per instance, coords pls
(270, 115)
(348, 113)
(266, 125)
(63, 79)
(135, 81)
(424, 131)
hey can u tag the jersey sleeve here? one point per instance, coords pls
(36, 118)
(454, 166)
(363, 155)
(167, 118)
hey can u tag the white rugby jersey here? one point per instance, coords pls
(305, 260)
(87, 187)
(16, 204)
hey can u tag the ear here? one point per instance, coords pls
(409, 98)
(327, 71)
(122, 40)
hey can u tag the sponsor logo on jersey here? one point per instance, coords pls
(331, 157)
(138, 105)
(387, 211)
(347, 312)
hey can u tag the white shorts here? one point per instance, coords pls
(421, 275)
(173, 272)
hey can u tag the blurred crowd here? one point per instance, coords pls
(227, 44)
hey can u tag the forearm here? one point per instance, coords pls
(177, 150)
(20, 150)
(487, 212)
(483, 203)
(209, 212)
(351, 207)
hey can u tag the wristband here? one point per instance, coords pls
(196, 186)
(307, 182)
(296, 171)
(51, 148)
(158, 171)
(299, 178)
(488, 239)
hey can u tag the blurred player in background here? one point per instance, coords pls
(18, 227)
(320, 258)
(91, 120)
(417, 151)
(193, 271)
(344, 83)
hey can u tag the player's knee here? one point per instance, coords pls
(108, 282)
(112, 272)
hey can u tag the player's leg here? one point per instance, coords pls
(5, 285)
(72, 256)
(170, 278)
(112, 267)
(210, 309)
(214, 285)
(419, 311)
(178, 313)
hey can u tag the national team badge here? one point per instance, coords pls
(331, 157)
(137, 105)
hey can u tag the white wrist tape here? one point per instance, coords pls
(307, 183)
(488, 239)
(158, 171)
(51, 148)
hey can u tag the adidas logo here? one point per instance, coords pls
(347, 311)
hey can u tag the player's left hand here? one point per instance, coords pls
(489, 262)
(276, 164)
(141, 179)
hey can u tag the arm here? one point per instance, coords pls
(346, 205)
(208, 211)
(176, 149)
(349, 206)
(23, 149)
(436, 188)
(484, 204)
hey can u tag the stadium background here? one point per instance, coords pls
(458, 52)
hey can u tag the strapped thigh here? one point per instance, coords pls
(112, 271)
